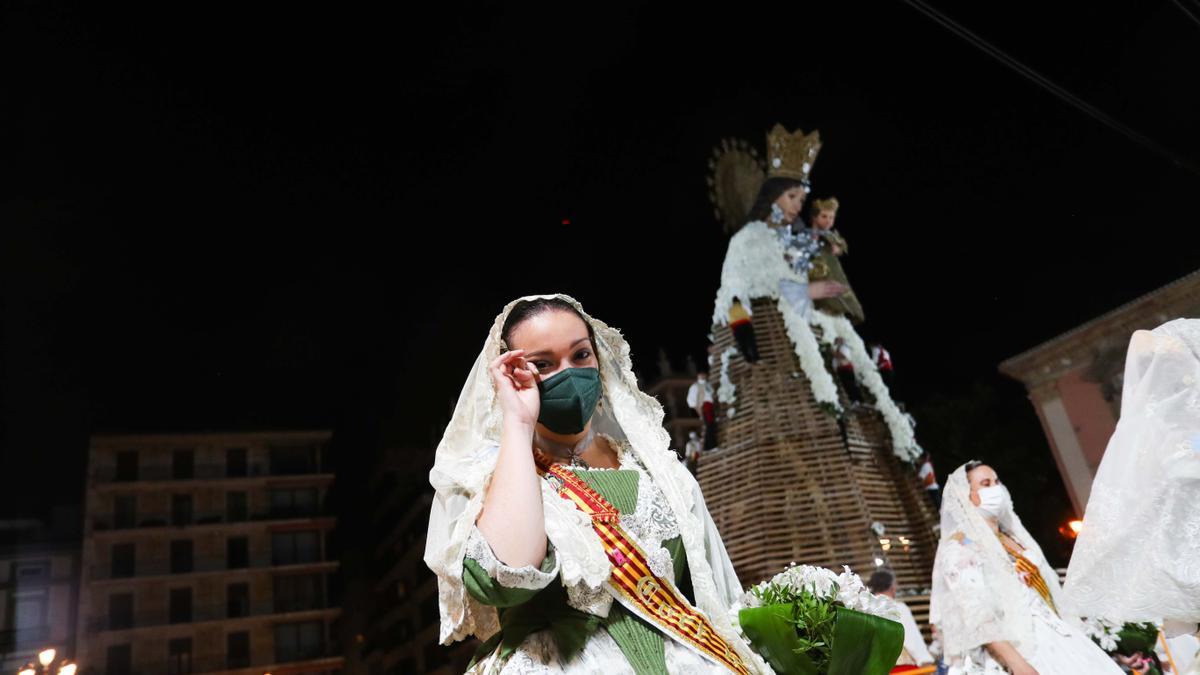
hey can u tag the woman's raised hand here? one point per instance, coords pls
(516, 383)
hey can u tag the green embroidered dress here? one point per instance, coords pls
(546, 628)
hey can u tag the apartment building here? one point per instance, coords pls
(207, 553)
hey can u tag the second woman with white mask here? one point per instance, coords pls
(995, 598)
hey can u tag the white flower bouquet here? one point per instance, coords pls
(813, 621)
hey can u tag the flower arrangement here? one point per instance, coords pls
(1131, 645)
(814, 621)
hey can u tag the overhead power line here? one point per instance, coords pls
(1058, 91)
(1191, 13)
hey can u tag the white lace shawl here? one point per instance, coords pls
(754, 265)
(1138, 555)
(464, 465)
(977, 596)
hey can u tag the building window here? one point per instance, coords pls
(299, 592)
(127, 465)
(179, 656)
(180, 610)
(235, 462)
(118, 660)
(182, 561)
(123, 561)
(237, 600)
(125, 511)
(294, 460)
(237, 649)
(294, 502)
(29, 609)
(298, 641)
(183, 464)
(181, 509)
(236, 509)
(293, 548)
(32, 574)
(237, 553)
(120, 611)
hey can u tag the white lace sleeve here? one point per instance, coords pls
(967, 614)
(527, 577)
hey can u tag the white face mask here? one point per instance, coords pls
(994, 501)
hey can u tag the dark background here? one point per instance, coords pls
(221, 216)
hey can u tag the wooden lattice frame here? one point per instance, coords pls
(787, 485)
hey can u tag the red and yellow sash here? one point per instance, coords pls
(1029, 573)
(651, 597)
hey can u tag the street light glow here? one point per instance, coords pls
(46, 656)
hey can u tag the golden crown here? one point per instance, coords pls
(820, 205)
(791, 155)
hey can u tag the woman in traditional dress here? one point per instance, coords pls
(995, 598)
(1137, 558)
(564, 533)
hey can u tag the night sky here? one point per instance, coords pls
(218, 216)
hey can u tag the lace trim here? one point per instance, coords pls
(595, 601)
(527, 577)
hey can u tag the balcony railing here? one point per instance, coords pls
(165, 472)
(105, 524)
(218, 612)
(161, 567)
(197, 665)
(23, 638)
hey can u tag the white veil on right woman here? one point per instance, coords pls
(977, 596)
(1138, 555)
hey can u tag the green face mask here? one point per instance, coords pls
(569, 398)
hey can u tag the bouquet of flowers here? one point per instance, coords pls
(1131, 645)
(811, 621)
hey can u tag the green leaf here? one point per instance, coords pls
(773, 634)
(864, 644)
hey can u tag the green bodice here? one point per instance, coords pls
(525, 611)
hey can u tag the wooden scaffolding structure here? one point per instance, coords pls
(790, 484)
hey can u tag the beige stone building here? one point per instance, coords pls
(1074, 380)
(207, 553)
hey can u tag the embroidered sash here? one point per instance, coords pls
(1030, 574)
(648, 595)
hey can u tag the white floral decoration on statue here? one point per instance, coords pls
(899, 424)
(753, 268)
(754, 264)
(727, 390)
(808, 350)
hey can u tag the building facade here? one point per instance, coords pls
(38, 592)
(207, 553)
(1074, 380)
(403, 615)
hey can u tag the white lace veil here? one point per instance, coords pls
(464, 464)
(977, 595)
(1138, 555)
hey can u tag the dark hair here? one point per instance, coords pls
(527, 309)
(882, 580)
(972, 465)
(768, 193)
